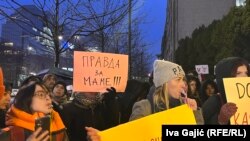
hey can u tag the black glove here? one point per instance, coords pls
(110, 95)
(112, 108)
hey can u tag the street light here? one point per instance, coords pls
(60, 37)
(29, 48)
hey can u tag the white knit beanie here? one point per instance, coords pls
(165, 71)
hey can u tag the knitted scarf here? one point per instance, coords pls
(16, 117)
(87, 103)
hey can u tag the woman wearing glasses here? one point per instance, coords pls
(33, 101)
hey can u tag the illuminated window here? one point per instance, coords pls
(7, 52)
(240, 2)
(9, 44)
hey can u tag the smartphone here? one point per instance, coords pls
(43, 122)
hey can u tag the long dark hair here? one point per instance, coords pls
(29, 79)
(24, 97)
(197, 83)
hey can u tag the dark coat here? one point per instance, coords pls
(57, 107)
(211, 109)
(2, 118)
(76, 118)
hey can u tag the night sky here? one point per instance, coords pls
(152, 30)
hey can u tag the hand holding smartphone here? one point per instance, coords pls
(43, 122)
(38, 135)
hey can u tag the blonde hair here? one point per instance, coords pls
(161, 96)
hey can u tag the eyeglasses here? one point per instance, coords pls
(41, 94)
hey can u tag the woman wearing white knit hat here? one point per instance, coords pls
(169, 84)
(169, 88)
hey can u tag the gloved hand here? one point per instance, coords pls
(112, 110)
(226, 112)
(110, 95)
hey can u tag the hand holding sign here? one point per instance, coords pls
(226, 112)
(110, 95)
(92, 134)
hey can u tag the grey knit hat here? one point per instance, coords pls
(165, 71)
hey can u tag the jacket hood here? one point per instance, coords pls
(224, 69)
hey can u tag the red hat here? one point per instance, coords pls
(2, 88)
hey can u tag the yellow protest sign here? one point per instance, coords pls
(95, 71)
(149, 127)
(238, 91)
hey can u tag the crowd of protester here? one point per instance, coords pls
(79, 116)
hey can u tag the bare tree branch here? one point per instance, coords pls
(67, 18)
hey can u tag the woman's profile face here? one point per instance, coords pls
(41, 101)
(175, 86)
(242, 71)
